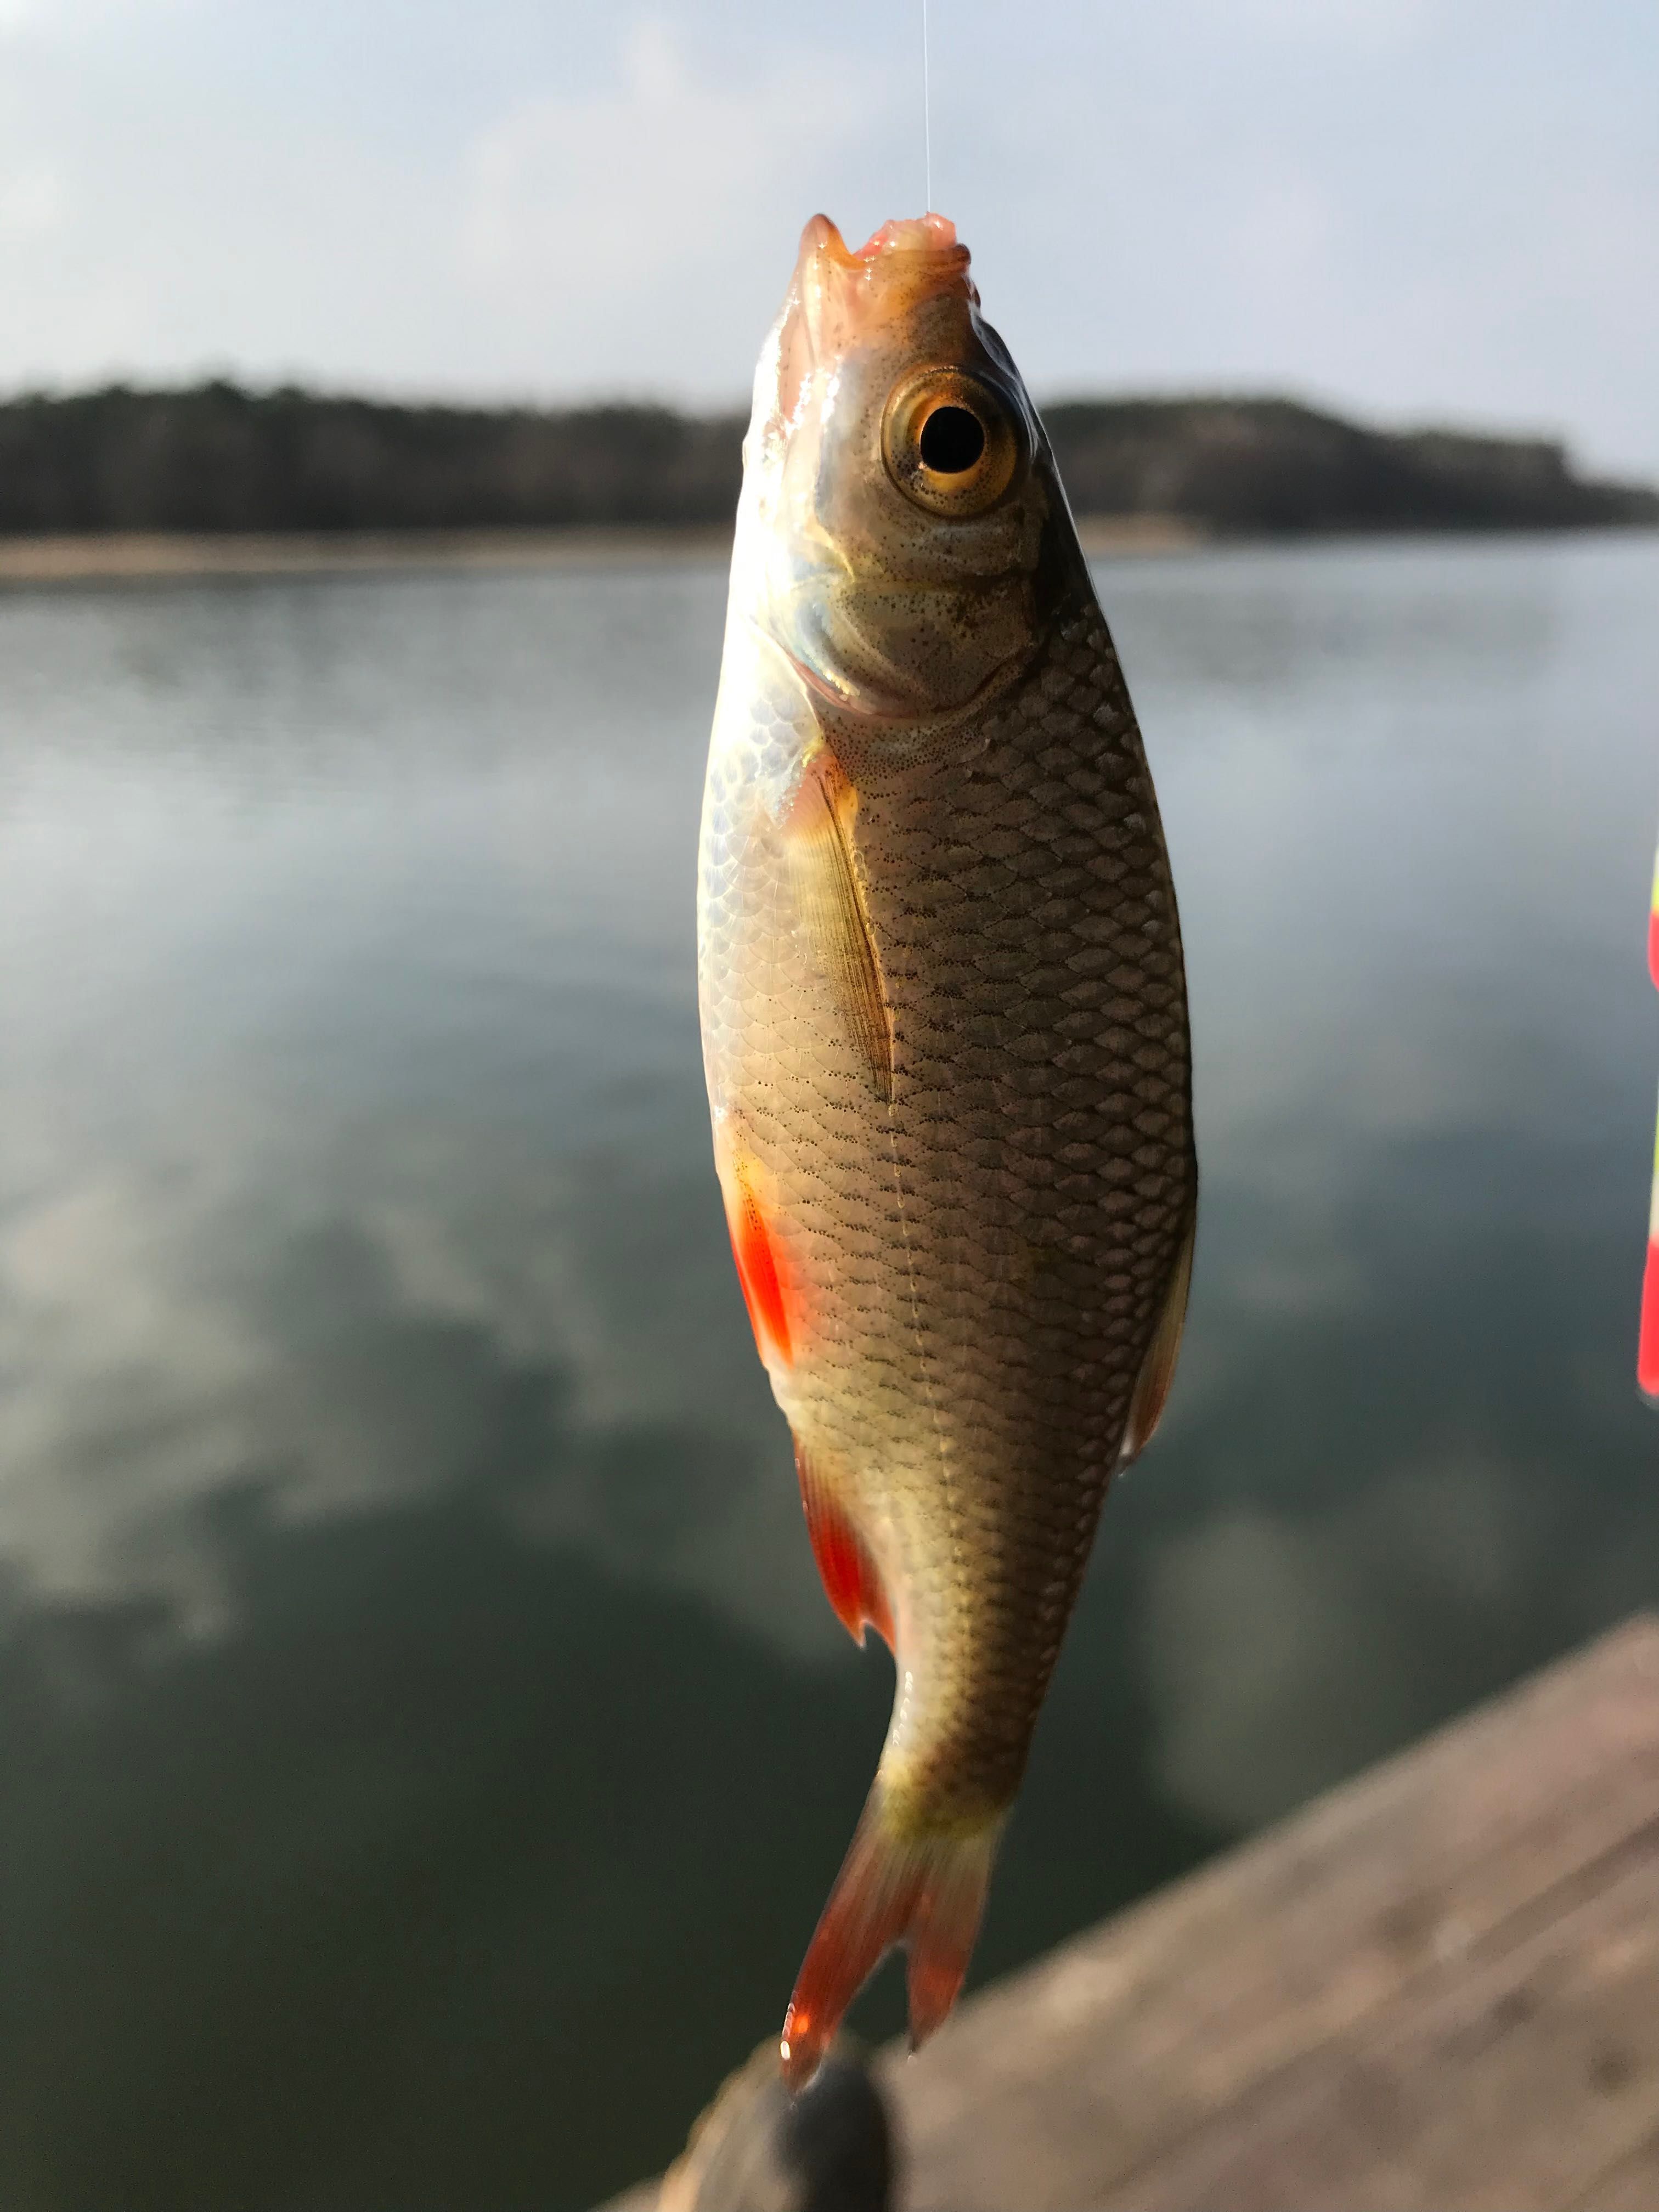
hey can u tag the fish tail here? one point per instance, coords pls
(900, 1882)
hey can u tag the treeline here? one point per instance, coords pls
(217, 458)
(1271, 467)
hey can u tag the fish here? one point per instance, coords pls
(944, 1011)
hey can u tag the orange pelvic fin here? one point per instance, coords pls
(897, 1885)
(850, 1579)
(758, 1270)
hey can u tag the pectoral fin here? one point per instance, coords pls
(830, 901)
(1157, 1369)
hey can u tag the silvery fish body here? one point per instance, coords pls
(945, 1029)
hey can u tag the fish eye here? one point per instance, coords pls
(950, 441)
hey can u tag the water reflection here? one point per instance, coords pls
(423, 1745)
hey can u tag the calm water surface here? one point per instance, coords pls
(423, 1747)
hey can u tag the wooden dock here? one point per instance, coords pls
(1437, 1987)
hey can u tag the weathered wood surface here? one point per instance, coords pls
(1437, 1987)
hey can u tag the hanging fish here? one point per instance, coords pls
(1647, 1348)
(944, 1031)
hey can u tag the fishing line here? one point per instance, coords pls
(927, 115)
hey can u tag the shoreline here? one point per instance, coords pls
(154, 556)
(165, 556)
(157, 557)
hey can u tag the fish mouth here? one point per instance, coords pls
(908, 258)
(838, 296)
(908, 262)
(923, 234)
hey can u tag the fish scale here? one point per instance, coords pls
(945, 1039)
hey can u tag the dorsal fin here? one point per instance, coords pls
(831, 901)
(1159, 1367)
(851, 1582)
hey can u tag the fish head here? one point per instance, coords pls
(898, 490)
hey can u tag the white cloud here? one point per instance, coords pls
(593, 193)
(122, 1415)
(355, 1328)
(618, 222)
(1282, 228)
(1284, 1651)
(31, 202)
(1372, 21)
(62, 20)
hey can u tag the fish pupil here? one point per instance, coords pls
(952, 441)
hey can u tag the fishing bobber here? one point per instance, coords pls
(1647, 1356)
(1647, 1353)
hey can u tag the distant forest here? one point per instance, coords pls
(217, 458)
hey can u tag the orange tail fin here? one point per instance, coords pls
(896, 1886)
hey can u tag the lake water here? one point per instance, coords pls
(423, 1747)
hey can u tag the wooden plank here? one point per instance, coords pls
(1630, 2184)
(1263, 2001)
(1504, 2089)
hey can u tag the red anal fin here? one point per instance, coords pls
(924, 1891)
(850, 1580)
(759, 1273)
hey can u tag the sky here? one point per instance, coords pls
(1413, 211)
